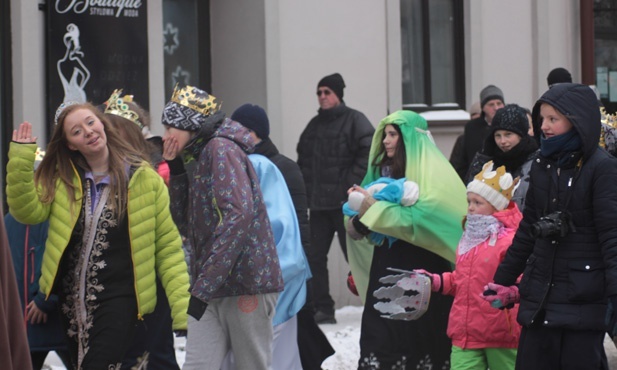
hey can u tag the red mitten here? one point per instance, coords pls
(351, 284)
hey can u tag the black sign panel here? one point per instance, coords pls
(94, 47)
(181, 44)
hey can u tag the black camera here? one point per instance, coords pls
(553, 224)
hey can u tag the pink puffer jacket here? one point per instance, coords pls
(473, 322)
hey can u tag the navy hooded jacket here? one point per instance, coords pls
(567, 280)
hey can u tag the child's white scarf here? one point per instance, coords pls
(478, 229)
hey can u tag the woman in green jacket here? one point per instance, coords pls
(110, 232)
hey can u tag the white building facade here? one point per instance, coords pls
(273, 53)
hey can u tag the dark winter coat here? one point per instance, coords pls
(470, 143)
(27, 253)
(566, 280)
(333, 155)
(295, 183)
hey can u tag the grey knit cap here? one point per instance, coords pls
(489, 93)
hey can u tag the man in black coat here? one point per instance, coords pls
(333, 155)
(313, 344)
(476, 130)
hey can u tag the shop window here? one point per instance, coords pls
(433, 54)
(605, 51)
(186, 44)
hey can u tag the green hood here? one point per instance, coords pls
(435, 221)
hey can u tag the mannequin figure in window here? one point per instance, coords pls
(72, 71)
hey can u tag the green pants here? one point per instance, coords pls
(482, 358)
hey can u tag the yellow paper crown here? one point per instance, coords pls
(117, 105)
(499, 180)
(196, 99)
(607, 118)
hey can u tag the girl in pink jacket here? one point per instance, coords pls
(482, 337)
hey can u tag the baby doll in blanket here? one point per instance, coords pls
(399, 191)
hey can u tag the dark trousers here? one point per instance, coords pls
(109, 336)
(38, 359)
(560, 349)
(313, 344)
(323, 225)
(155, 335)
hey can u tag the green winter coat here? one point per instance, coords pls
(156, 247)
(435, 221)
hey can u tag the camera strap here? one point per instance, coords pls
(571, 181)
(570, 192)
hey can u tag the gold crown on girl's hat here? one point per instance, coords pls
(117, 105)
(196, 99)
(496, 186)
(499, 180)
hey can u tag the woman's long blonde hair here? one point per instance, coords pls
(57, 165)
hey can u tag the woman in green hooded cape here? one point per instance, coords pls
(427, 234)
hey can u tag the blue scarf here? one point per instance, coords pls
(561, 145)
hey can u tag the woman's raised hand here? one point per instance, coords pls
(24, 134)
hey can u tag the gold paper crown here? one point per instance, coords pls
(607, 118)
(118, 106)
(499, 180)
(196, 99)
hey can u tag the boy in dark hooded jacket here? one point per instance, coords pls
(566, 245)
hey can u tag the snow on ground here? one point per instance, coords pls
(344, 337)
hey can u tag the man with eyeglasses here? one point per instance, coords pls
(332, 154)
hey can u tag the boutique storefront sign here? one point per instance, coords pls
(95, 47)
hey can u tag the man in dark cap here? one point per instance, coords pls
(313, 344)
(491, 100)
(332, 154)
(557, 76)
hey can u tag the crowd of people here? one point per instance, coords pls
(503, 257)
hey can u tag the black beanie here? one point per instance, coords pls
(489, 93)
(335, 83)
(254, 118)
(557, 76)
(511, 118)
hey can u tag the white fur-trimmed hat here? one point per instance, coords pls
(496, 186)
